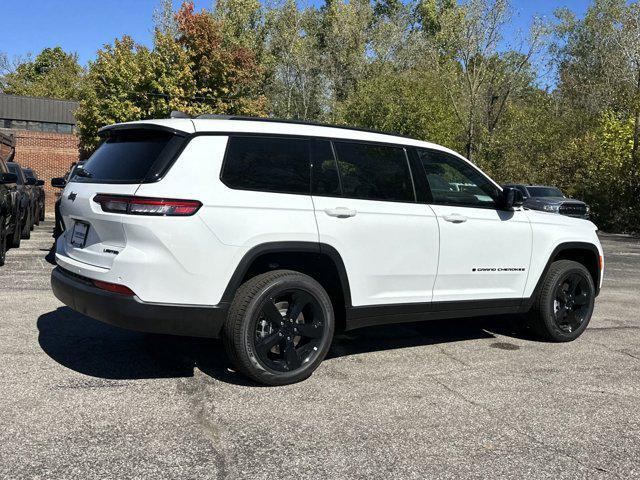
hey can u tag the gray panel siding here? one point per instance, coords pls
(33, 109)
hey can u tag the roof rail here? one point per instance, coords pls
(209, 116)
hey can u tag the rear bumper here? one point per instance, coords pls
(129, 312)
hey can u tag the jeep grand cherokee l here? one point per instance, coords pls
(274, 234)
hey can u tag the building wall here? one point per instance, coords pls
(49, 154)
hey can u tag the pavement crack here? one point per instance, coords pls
(195, 389)
(524, 433)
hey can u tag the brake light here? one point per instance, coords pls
(146, 206)
(114, 288)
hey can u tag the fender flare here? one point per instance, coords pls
(528, 302)
(286, 247)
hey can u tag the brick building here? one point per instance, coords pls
(44, 132)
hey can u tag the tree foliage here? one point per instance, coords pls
(52, 73)
(191, 67)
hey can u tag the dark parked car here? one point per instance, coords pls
(40, 195)
(550, 199)
(9, 208)
(26, 199)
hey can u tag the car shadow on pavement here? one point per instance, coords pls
(94, 348)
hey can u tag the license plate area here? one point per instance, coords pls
(79, 234)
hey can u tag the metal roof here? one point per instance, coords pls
(14, 107)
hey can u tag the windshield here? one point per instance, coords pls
(544, 192)
(15, 168)
(124, 157)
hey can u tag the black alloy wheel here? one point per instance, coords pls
(288, 330)
(279, 327)
(572, 300)
(564, 305)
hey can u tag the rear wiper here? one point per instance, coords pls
(81, 172)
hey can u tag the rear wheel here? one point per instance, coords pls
(42, 211)
(564, 305)
(279, 328)
(36, 216)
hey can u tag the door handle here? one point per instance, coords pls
(340, 212)
(455, 218)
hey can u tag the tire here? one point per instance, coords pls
(26, 228)
(36, 216)
(33, 219)
(267, 341)
(564, 305)
(42, 212)
(3, 241)
(17, 233)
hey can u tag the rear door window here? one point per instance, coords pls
(127, 156)
(268, 164)
(374, 172)
(325, 178)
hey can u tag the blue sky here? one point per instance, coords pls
(84, 26)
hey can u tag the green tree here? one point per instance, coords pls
(187, 69)
(409, 103)
(53, 73)
(227, 76)
(343, 39)
(293, 63)
(119, 87)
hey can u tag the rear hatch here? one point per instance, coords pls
(129, 155)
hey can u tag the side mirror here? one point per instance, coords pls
(40, 183)
(8, 178)
(511, 198)
(58, 182)
(31, 181)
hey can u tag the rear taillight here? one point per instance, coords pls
(146, 206)
(114, 288)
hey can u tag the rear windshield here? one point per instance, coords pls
(125, 157)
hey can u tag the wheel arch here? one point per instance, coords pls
(584, 253)
(320, 261)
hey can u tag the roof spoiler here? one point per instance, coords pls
(109, 129)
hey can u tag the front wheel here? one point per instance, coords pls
(17, 232)
(565, 303)
(279, 328)
(26, 228)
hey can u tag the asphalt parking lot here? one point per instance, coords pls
(456, 399)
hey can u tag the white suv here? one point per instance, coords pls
(275, 234)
